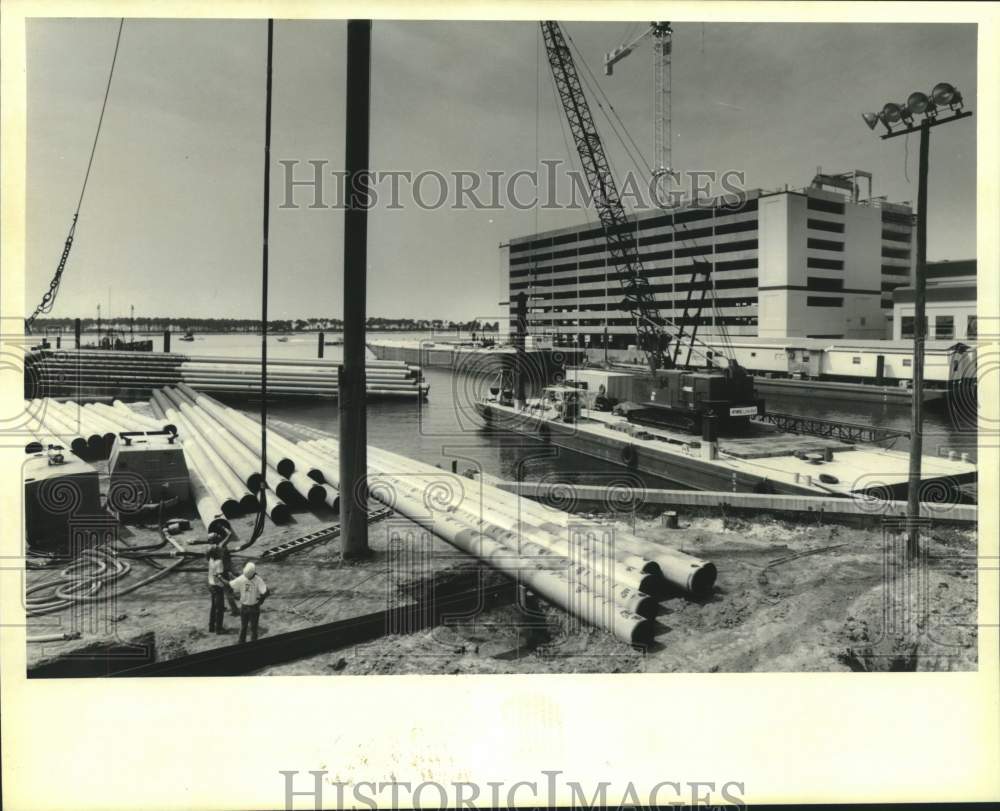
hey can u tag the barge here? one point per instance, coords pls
(763, 459)
(476, 359)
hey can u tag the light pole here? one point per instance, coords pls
(942, 106)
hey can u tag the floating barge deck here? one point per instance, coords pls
(472, 359)
(766, 461)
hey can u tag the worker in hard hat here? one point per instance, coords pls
(217, 591)
(251, 591)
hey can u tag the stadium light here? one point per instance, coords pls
(928, 108)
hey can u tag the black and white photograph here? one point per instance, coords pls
(362, 346)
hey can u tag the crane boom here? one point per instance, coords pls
(621, 239)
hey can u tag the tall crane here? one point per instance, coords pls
(692, 400)
(654, 333)
(623, 251)
(662, 36)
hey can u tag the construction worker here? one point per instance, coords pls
(217, 591)
(227, 574)
(251, 590)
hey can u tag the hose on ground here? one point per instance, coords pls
(72, 585)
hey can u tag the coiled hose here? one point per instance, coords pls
(72, 585)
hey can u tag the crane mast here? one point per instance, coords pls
(662, 35)
(662, 47)
(620, 236)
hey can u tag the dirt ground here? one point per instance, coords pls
(847, 605)
(790, 597)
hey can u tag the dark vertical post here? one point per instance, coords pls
(919, 336)
(59, 342)
(76, 331)
(520, 331)
(353, 417)
(166, 340)
(319, 346)
(605, 344)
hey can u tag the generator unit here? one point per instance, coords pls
(146, 468)
(56, 488)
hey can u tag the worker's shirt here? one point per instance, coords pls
(250, 589)
(214, 568)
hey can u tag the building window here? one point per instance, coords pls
(818, 301)
(906, 326)
(944, 327)
(972, 327)
(907, 361)
(856, 360)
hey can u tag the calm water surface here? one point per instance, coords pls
(446, 428)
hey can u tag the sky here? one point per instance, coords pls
(172, 218)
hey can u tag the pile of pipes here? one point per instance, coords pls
(605, 576)
(222, 448)
(103, 373)
(88, 430)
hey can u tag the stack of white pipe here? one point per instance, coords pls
(83, 428)
(603, 578)
(235, 374)
(229, 451)
(290, 462)
(110, 370)
(230, 495)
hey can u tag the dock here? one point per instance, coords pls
(766, 461)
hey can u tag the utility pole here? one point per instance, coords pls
(352, 405)
(943, 105)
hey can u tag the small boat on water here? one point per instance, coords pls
(187, 336)
(282, 339)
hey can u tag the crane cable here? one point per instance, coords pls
(49, 299)
(262, 512)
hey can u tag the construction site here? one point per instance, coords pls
(175, 527)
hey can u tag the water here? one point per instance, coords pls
(445, 427)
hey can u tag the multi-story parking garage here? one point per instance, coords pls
(792, 263)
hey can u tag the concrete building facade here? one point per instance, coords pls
(950, 308)
(810, 263)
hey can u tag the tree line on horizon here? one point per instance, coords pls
(160, 324)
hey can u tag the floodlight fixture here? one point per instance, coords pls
(918, 103)
(944, 93)
(871, 119)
